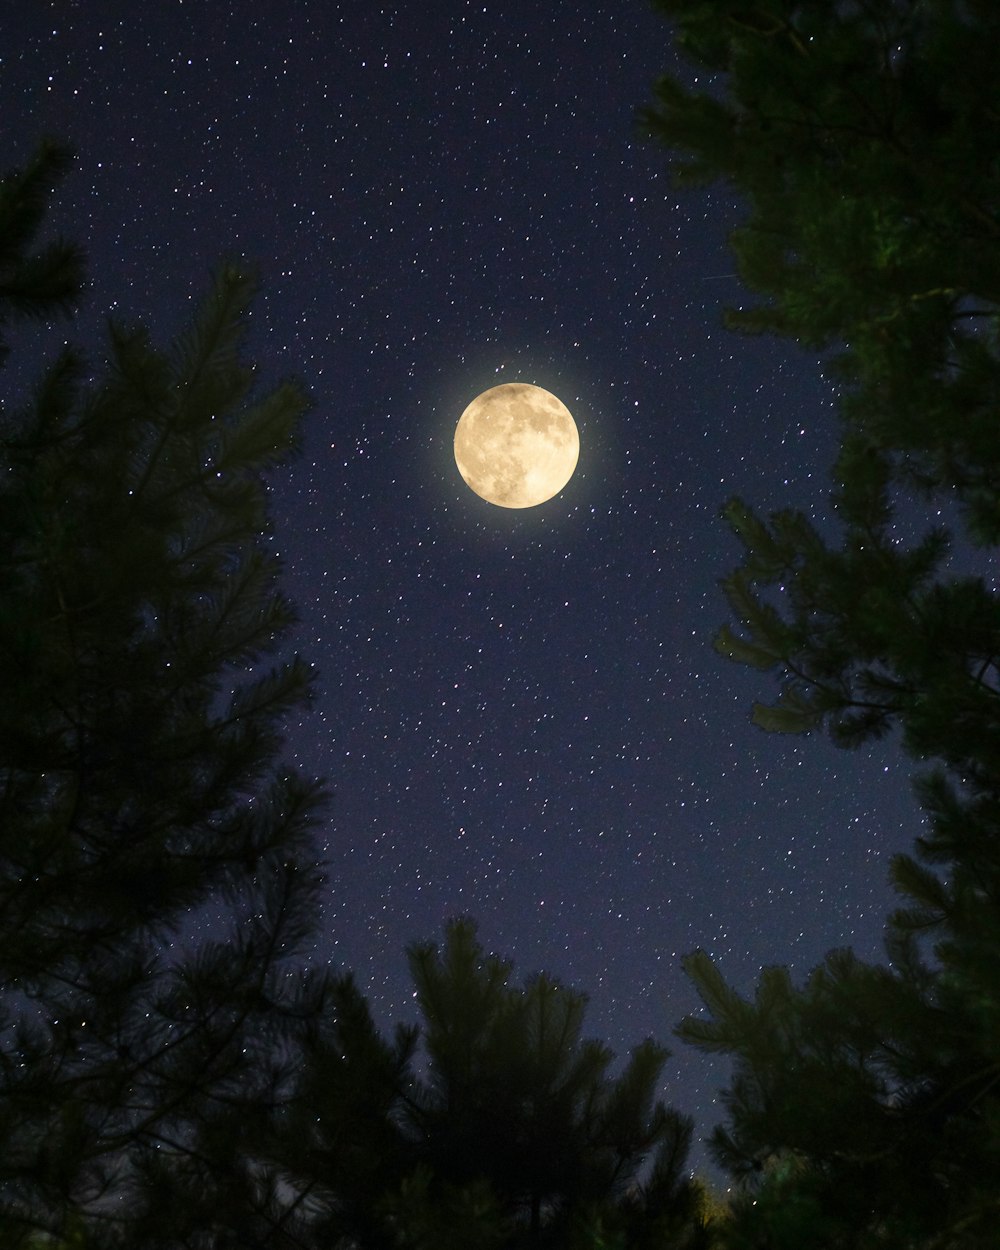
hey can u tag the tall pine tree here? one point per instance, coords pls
(505, 1128)
(864, 141)
(143, 793)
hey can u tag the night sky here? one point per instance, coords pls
(520, 712)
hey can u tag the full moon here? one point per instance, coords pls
(516, 445)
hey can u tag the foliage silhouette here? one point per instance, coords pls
(142, 785)
(504, 1129)
(864, 140)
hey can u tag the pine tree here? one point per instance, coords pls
(864, 140)
(504, 1129)
(516, 1096)
(35, 282)
(144, 803)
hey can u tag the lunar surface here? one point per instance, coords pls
(516, 445)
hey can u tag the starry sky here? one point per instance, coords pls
(520, 712)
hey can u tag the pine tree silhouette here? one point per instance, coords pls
(142, 785)
(505, 1129)
(865, 140)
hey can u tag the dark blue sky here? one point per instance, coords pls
(520, 713)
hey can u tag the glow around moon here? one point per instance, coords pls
(516, 445)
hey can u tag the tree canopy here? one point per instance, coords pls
(864, 142)
(497, 1123)
(142, 785)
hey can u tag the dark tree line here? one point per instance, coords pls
(864, 140)
(160, 1088)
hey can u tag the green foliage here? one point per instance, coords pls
(35, 282)
(140, 778)
(873, 1085)
(864, 141)
(506, 1129)
(429, 1215)
(515, 1090)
